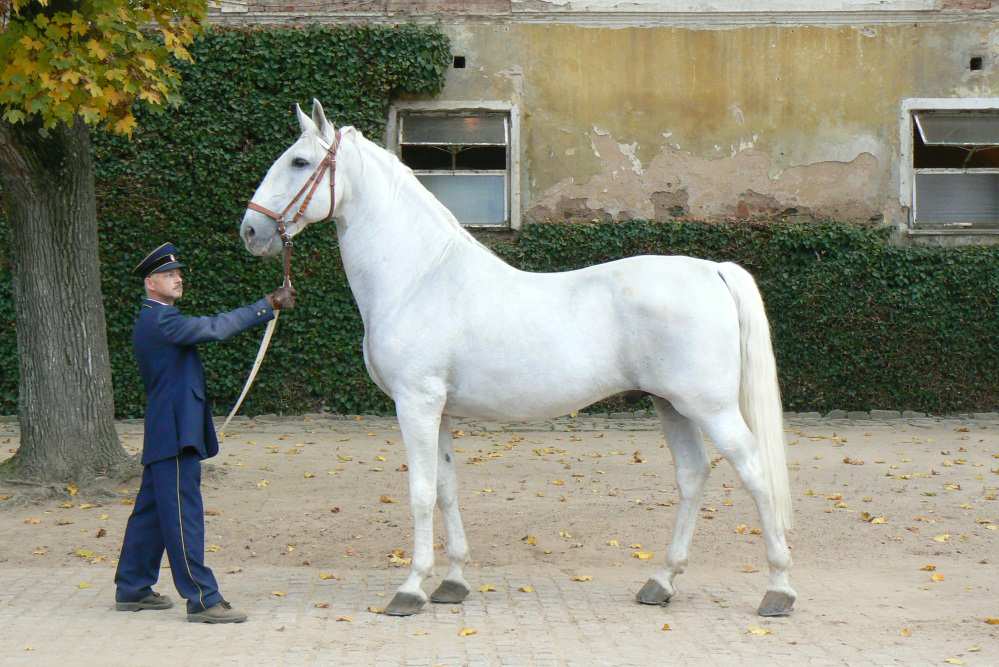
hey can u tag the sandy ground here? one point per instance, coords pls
(895, 544)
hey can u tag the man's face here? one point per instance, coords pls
(165, 286)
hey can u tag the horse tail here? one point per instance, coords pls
(759, 394)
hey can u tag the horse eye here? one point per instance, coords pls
(300, 162)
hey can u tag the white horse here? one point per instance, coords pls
(451, 330)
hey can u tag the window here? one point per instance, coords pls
(953, 184)
(464, 156)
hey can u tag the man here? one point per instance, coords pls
(179, 433)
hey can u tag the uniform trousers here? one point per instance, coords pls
(168, 515)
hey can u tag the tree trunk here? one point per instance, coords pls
(66, 403)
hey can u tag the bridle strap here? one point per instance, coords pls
(308, 189)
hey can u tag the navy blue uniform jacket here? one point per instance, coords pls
(178, 414)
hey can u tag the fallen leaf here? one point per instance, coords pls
(565, 534)
(32, 521)
(40, 551)
(936, 576)
(928, 568)
(758, 631)
(636, 457)
(388, 500)
(613, 543)
(234, 570)
(749, 569)
(529, 539)
(83, 584)
(905, 632)
(262, 484)
(322, 605)
(853, 462)
(309, 475)
(558, 482)
(942, 538)
(992, 620)
(467, 632)
(87, 506)
(84, 553)
(487, 588)
(72, 489)
(325, 576)
(213, 548)
(526, 589)
(582, 577)
(666, 627)
(954, 661)
(344, 619)
(879, 519)
(376, 610)
(643, 555)
(279, 594)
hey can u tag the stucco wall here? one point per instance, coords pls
(658, 109)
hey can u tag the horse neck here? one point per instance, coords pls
(391, 236)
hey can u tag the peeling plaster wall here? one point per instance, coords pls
(711, 124)
(709, 109)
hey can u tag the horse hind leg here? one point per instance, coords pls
(737, 443)
(692, 468)
(453, 589)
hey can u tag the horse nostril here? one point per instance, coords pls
(250, 233)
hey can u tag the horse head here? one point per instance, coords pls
(300, 188)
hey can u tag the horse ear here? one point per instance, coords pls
(319, 118)
(304, 121)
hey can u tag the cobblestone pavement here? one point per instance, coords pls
(864, 599)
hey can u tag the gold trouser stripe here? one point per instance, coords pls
(180, 518)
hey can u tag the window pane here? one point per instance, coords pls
(474, 200)
(427, 157)
(958, 128)
(481, 157)
(943, 198)
(454, 129)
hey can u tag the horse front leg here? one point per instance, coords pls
(453, 589)
(419, 420)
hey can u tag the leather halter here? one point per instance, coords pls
(311, 185)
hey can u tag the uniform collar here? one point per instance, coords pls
(152, 303)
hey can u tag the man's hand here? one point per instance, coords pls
(282, 298)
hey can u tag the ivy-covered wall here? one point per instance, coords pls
(858, 322)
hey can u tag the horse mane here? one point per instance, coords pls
(403, 176)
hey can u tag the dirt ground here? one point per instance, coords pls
(895, 542)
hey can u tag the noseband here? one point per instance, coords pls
(309, 189)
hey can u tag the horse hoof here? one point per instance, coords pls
(404, 604)
(450, 592)
(776, 603)
(653, 593)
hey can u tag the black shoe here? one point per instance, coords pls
(152, 601)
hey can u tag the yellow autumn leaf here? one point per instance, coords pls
(379, 458)
(642, 555)
(905, 632)
(309, 475)
(344, 619)
(879, 519)
(279, 594)
(928, 567)
(263, 484)
(84, 553)
(467, 632)
(96, 50)
(749, 569)
(83, 584)
(992, 620)
(942, 538)
(666, 627)
(613, 543)
(558, 482)
(376, 610)
(936, 576)
(582, 577)
(72, 489)
(325, 576)
(213, 548)
(758, 631)
(386, 499)
(954, 661)
(526, 589)
(529, 539)
(487, 588)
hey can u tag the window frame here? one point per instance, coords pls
(908, 171)
(512, 203)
